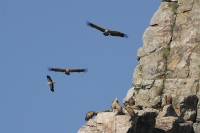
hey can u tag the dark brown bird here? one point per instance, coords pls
(90, 114)
(67, 71)
(115, 105)
(51, 83)
(131, 104)
(107, 32)
(131, 101)
(130, 111)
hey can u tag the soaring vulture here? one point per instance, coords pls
(51, 83)
(107, 32)
(67, 71)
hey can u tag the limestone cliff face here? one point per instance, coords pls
(166, 79)
(169, 59)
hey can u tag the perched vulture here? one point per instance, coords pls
(90, 114)
(130, 111)
(67, 71)
(131, 101)
(113, 104)
(116, 105)
(51, 83)
(107, 32)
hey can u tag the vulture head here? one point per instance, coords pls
(106, 32)
(67, 72)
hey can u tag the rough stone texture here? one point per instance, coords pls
(186, 127)
(109, 122)
(169, 64)
(188, 108)
(169, 124)
(196, 127)
(146, 122)
(198, 108)
(168, 110)
(178, 33)
(169, 58)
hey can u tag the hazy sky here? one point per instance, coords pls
(36, 34)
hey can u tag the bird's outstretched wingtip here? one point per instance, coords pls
(125, 36)
(88, 23)
(49, 68)
(85, 69)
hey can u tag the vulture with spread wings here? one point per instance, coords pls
(67, 71)
(107, 32)
(51, 83)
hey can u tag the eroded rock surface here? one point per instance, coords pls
(110, 122)
(170, 65)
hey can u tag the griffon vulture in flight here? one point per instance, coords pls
(107, 32)
(67, 71)
(51, 83)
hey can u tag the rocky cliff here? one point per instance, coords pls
(166, 79)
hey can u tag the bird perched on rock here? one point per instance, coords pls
(90, 114)
(131, 104)
(51, 83)
(131, 101)
(116, 105)
(130, 111)
(67, 71)
(107, 32)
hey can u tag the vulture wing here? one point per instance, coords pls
(78, 70)
(51, 85)
(49, 78)
(95, 26)
(117, 33)
(57, 69)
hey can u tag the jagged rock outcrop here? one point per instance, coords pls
(166, 79)
(107, 122)
(169, 63)
(110, 122)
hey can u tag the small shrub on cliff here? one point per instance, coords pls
(172, 28)
(168, 47)
(174, 7)
(199, 70)
(160, 89)
(166, 53)
(164, 56)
